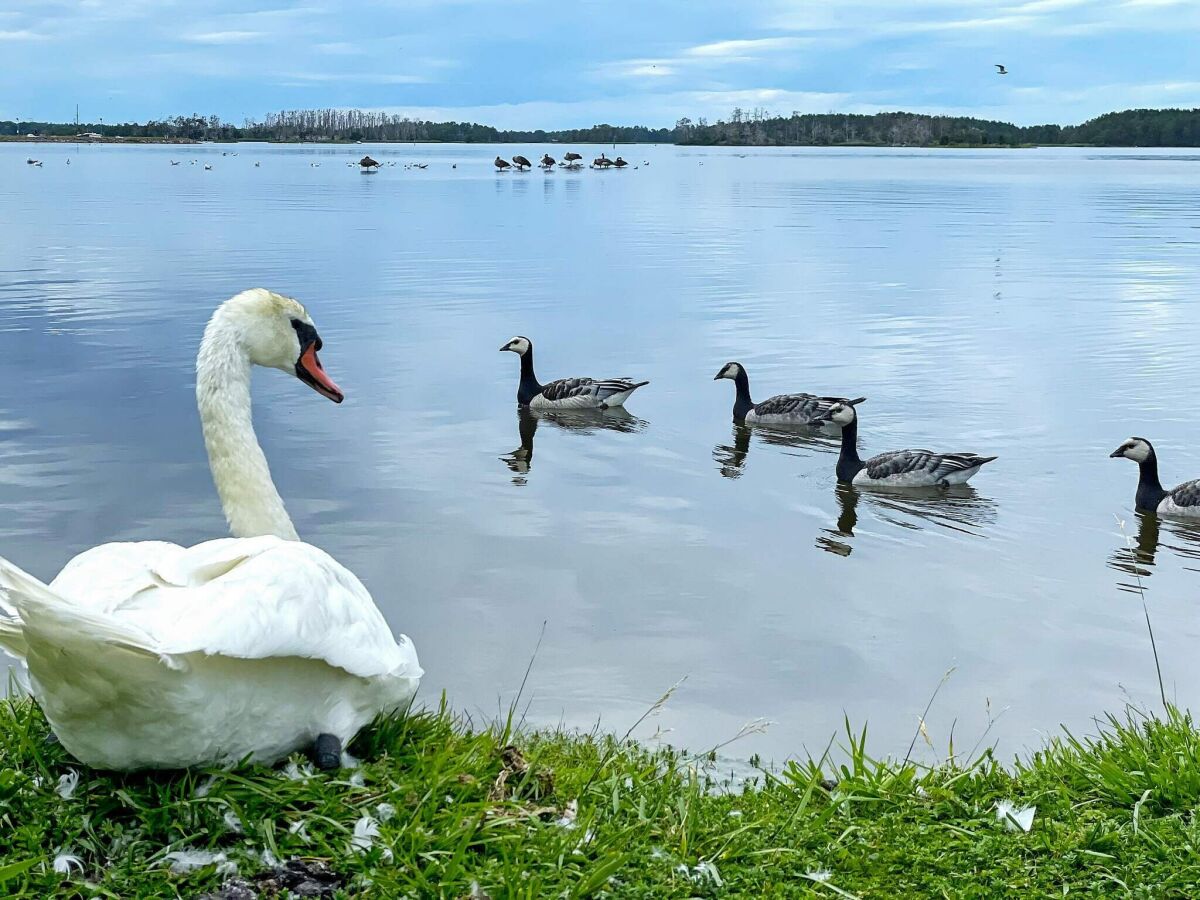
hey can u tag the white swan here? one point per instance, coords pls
(149, 655)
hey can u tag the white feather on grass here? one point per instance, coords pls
(67, 784)
(232, 822)
(385, 811)
(1015, 817)
(183, 861)
(366, 830)
(65, 863)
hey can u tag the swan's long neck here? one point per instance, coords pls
(849, 464)
(252, 505)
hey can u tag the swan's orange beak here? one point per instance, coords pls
(311, 372)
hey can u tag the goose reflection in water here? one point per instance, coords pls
(588, 421)
(959, 508)
(1137, 553)
(731, 458)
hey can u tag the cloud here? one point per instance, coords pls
(22, 34)
(225, 37)
(745, 48)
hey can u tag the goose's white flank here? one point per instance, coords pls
(898, 468)
(782, 409)
(150, 655)
(1183, 500)
(566, 393)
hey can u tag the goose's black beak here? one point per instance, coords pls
(856, 401)
(1116, 454)
(506, 347)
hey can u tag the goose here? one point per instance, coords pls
(174, 162)
(566, 393)
(420, 165)
(367, 163)
(207, 167)
(31, 161)
(257, 164)
(522, 162)
(897, 468)
(547, 161)
(782, 409)
(1183, 500)
(620, 162)
(151, 655)
(502, 164)
(571, 156)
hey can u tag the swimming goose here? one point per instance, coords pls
(566, 393)
(782, 409)
(174, 162)
(150, 655)
(897, 468)
(1183, 500)
(207, 167)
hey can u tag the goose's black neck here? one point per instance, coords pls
(529, 386)
(742, 403)
(1150, 491)
(849, 464)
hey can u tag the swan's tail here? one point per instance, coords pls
(28, 608)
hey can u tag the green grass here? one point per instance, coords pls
(1115, 817)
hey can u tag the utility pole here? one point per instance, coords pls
(76, 116)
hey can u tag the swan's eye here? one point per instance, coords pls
(307, 334)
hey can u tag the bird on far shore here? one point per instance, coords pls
(502, 164)
(1000, 70)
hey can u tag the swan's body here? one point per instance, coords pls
(567, 393)
(149, 655)
(898, 468)
(1182, 501)
(782, 409)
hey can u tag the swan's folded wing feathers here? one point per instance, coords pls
(280, 598)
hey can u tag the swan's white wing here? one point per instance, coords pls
(249, 598)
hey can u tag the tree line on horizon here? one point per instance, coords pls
(1130, 128)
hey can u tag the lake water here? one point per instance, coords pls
(1040, 305)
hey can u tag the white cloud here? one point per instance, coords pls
(744, 49)
(22, 34)
(224, 37)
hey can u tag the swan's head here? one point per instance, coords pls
(730, 370)
(518, 345)
(1136, 448)
(277, 332)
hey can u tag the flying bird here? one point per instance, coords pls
(1000, 70)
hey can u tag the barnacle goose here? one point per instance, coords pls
(1183, 500)
(898, 468)
(783, 409)
(566, 393)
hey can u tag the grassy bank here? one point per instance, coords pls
(436, 809)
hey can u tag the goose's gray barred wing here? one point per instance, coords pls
(570, 388)
(807, 406)
(1187, 494)
(922, 462)
(565, 388)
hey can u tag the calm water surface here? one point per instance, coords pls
(1037, 305)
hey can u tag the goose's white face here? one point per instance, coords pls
(1137, 449)
(729, 370)
(518, 345)
(842, 414)
(277, 333)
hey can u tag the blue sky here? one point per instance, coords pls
(536, 63)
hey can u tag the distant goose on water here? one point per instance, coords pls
(547, 161)
(367, 163)
(1183, 500)
(571, 156)
(32, 162)
(502, 164)
(207, 167)
(174, 162)
(620, 163)
(898, 468)
(782, 409)
(522, 162)
(1000, 70)
(566, 393)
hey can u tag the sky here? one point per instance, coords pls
(537, 64)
